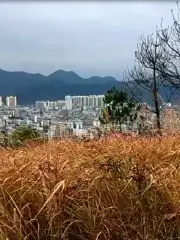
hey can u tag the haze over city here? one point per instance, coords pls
(93, 38)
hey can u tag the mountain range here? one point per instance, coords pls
(30, 87)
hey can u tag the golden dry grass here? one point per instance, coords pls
(124, 188)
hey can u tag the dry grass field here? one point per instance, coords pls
(119, 188)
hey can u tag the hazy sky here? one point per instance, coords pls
(93, 38)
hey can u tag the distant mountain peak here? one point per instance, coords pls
(60, 72)
(71, 77)
(32, 86)
(29, 87)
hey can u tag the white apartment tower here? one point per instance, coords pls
(83, 101)
(68, 102)
(1, 101)
(11, 101)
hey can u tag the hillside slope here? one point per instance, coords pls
(31, 87)
(106, 189)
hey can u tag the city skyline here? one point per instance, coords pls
(94, 38)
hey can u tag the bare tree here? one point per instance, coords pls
(146, 77)
(170, 38)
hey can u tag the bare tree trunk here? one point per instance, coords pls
(120, 127)
(156, 103)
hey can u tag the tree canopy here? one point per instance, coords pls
(119, 108)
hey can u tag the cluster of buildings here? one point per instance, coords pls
(11, 101)
(75, 115)
(83, 101)
(73, 102)
(53, 118)
(45, 105)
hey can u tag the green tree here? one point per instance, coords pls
(21, 134)
(119, 108)
(45, 128)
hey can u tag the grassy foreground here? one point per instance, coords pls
(125, 188)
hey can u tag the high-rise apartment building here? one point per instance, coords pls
(11, 101)
(68, 102)
(83, 101)
(1, 103)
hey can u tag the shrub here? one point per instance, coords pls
(21, 134)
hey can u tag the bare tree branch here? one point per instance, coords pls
(152, 58)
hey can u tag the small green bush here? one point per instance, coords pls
(21, 134)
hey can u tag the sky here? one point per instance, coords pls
(92, 38)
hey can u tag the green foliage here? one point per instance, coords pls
(21, 134)
(45, 128)
(119, 108)
(104, 118)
